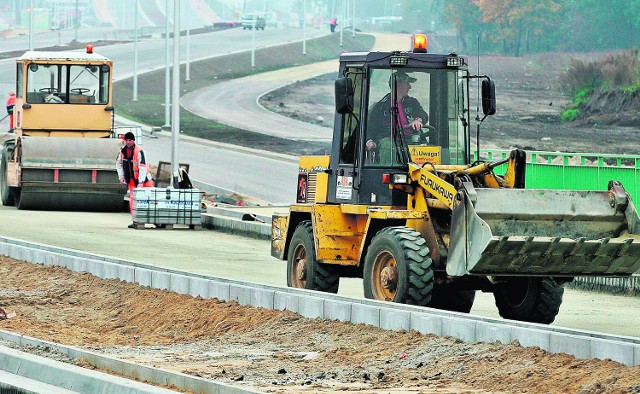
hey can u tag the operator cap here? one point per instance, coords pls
(402, 76)
(129, 136)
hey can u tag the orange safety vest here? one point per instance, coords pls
(136, 164)
(11, 101)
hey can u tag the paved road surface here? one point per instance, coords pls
(235, 102)
(263, 175)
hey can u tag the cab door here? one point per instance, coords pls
(346, 149)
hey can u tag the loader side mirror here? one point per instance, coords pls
(344, 95)
(488, 97)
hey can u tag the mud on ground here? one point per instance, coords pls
(278, 351)
(529, 99)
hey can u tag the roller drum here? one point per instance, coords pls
(75, 174)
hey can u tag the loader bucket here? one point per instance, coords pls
(69, 174)
(528, 232)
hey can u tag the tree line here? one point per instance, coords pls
(517, 27)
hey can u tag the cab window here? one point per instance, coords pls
(68, 84)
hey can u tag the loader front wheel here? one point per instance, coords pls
(535, 300)
(397, 267)
(303, 271)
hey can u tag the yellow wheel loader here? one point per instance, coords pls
(400, 203)
(62, 154)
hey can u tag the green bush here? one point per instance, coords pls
(581, 98)
(570, 115)
(633, 88)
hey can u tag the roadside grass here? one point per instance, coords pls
(149, 109)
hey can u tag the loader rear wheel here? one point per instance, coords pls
(455, 300)
(397, 267)
(303, 271)
(535, 300)
(6, 191)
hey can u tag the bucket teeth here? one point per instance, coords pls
(555, 256)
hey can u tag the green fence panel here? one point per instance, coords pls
(576, 171)
(582, 178)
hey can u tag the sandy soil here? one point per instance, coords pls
(279, 351)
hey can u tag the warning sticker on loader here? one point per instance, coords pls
(344, 188)
(421, 154)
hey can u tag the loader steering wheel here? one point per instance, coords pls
(49, 90)
(421, 135)
(80, 90)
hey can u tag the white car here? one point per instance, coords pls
(250, 20)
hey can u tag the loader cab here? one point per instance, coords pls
(373, 137)
(64, 94)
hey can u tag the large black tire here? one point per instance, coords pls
(397, 267)
(303, 271)
(6, 191)
(535, 300)
(17, 198)
(450, 299)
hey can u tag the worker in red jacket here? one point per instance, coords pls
(11, 102)
(133, 169)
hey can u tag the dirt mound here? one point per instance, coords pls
(614, 108)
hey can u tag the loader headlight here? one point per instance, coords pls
(455, 61)
(398, 61)
(400, 178)
(398, 182)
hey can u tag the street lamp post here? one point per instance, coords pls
(31, 25)
(167, 74)
(253, 42)
(353, 19)
(187, 71)
(304, 27)
(344, 6)
(135, 52)
(175, 96)
(77, 23)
